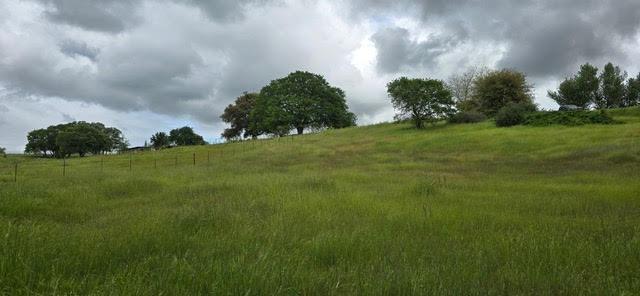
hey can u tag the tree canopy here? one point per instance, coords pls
(238, 116)
(612, 87)
(423, 100)
(299, 101)
(160, 140)
(185, 136)
(75, 138)
(498, 88)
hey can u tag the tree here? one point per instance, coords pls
(632, 94)
(185, 136)
(299, 101)
(75, 137)
(238, 115)
(569, 94)
(499, 88)
(424, 100)
(3, 152)
(462, 87)
(612, 88)
(588, 84)
(160, 140)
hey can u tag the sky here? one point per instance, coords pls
(153, 65)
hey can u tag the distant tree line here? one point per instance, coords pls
(78, 137)
(472, 96)
(299, 101)
(184, 136)
(609, 89)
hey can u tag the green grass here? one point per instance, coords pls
(377, 210)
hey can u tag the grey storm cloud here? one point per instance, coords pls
(74, 48)
(118, 15)
(397, 51)
(544, 37)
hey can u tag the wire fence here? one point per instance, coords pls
(39, 167)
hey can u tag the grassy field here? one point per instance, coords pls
(376, 210)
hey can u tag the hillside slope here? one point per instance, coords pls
(384, 209)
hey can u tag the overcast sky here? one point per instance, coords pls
(147, 66)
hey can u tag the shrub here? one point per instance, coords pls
(571, 118)
(467, 117)
(513, 114)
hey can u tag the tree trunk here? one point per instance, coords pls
(300, 130)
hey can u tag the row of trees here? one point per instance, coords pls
(184, 136)
(299, 101)
(609, 89)
(478, 90)
(75, 138)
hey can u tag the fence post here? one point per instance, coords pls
(64, 166)
(130, 161)
(15, 173)
(194, 158)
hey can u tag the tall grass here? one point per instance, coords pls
(385, 209)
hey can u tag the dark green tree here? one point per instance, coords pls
(423, 100)
(612, 87)
(238, 116)
(3, 152)
(299, 101)
(160, 140)
(499, 88)
(588, 84)
(632, 94)
(185, 136)
(78, 138)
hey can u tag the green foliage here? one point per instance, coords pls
(467, 117)
(499, 88)
(375, 210)
(3, 152)
(185, 136)
(422, 100)
(513, 114)
(75, 138)
(299, 101)
(238, 116)
(160, 140)
(571, 118)
(632, 93)
(569, 94)
(612, 87)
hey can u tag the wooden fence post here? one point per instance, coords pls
(194, 158)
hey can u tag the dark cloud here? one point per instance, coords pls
(397, 51)
(543, 38)
(74, 48)
(97, 15)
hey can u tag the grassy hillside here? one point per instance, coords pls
(385, 209)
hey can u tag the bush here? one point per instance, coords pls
(467, 117)
(513, 114)
(571, 118)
